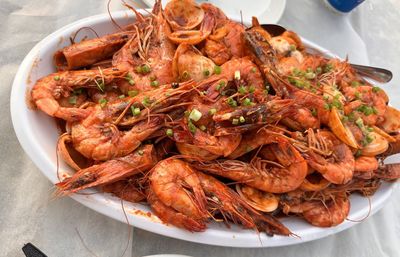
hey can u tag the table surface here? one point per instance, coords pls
(63, 227)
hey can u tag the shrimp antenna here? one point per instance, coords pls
(72, 39)
(84, 244)
(112, 19)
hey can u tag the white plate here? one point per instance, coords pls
(38, 134)
(267, 11)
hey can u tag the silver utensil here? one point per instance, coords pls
(377, 74)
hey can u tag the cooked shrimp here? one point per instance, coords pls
(47, 90)
(223, 200)
(364, 167)
(225, 42)
(368, 102)
(171, 216)
(147, 56)
(388, 171)
(90, 51)
(339, 167)
(195, 151)
(96, 137)
(287, 176)
(248, 74)
(177, 186)
(221, 145)
(110, 171)
(328, 214)
(254, 140)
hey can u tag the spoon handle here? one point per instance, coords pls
(377, 74)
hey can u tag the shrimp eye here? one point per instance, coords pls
(175, 85)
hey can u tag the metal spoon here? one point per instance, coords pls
(378, 74)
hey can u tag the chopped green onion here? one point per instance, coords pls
(186, 113)
(146, 68)
(355, 83)
(203, 128)
(336, 103)
(318, 70)
(102, 102)
(253, 70)
(169, 132)
(72, 99)
(358, 153)
(357, 95)
(292, 47)
(359, 123)
(327, 106)
(56, 78)
(154, 83)
(328, 67)
(375, 89)
(242, 119)
(152, 78)
(133, 93)
(212, 111)
(195, 115)
(220, 85)
(246, 102)
(192, 127)
(310, 75)
(242, 90)
(235, 121)
(146, 101)
(217, 69)
(135, 110)
(121, 96)
(314, 112)
(206, 73)
(231, 102)
(252, 89)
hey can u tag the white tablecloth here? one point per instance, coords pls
(29, 214)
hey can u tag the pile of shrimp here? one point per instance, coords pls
(206, 120)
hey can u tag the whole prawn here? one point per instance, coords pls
(287, 176)
(48, 90)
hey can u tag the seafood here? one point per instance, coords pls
(110, 171)
(287, 174)
(183, 15)
(207, 121)
(224, 200)
(49, 89)
(339, 167)
(90, 51)
(177, 186)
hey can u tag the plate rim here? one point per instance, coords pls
(107, 205)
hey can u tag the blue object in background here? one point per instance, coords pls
(344, 5)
